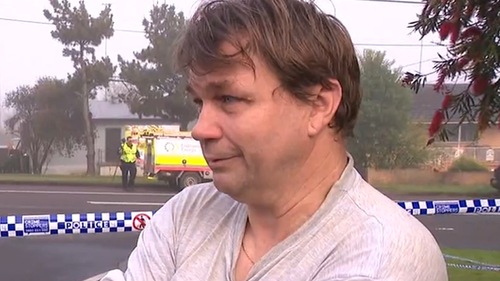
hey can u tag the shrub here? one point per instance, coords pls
(465, 164)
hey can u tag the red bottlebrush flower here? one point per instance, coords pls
(438, 86)
(445, 29)
(446, 101)
(436, 123)
(479, 84)
(470, 32)
(462, 63)
(454, 28)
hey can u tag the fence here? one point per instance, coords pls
(428, 178)
(443, 156)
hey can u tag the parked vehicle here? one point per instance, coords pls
(170, 155)
(176, 159)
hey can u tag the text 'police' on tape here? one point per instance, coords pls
(487, 209)
(89, 224)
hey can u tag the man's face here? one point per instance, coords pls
(129, 141)
(251, 132)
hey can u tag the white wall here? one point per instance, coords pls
(78, 163)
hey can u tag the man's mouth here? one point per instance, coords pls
(219, 160)
(215, 160)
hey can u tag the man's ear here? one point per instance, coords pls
(324, 106)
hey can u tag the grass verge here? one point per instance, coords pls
(143, 181)
(71, 180)
(457, 274)
(439, 189)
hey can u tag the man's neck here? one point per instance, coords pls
(302, 196)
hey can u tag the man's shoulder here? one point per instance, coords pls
(385, 217)
(386, 237)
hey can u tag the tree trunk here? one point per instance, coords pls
(46, 152)
(89, 132)
(37, 170)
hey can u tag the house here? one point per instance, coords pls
(110, 120)
(463, 139)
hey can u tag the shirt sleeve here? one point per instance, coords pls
(153, 258)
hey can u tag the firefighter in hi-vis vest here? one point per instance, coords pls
(129, 154)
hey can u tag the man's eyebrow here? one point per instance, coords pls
(212, 87)
(218, 86)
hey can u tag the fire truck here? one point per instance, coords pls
(171, 156)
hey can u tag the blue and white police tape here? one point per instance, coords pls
(57, 224)
(472, 206)
(472, 264)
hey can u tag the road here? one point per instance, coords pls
(69, 257)
(77, 257)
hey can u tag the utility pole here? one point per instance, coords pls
(421, 55)
(106, 93)
(106, 39)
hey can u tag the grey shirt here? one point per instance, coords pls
(358, 234)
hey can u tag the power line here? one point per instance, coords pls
(48, 23)
(142, 32)
(419, 62)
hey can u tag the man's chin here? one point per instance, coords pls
(228, 185)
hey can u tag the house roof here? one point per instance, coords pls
(108, 110)
(427, 101)
(424, 105)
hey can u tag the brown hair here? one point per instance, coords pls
(301, 44)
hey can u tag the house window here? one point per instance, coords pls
(467, 132)
(112, 140)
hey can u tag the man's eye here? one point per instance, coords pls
(228, 99)
(197, 101)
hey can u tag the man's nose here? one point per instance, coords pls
(207, 126)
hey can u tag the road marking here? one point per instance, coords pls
(125, 203)
(85, 192)
(445, 228)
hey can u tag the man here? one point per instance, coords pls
(128, 156)
(277, 83)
